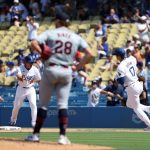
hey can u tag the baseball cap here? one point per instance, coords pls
(10, 63)
(16, 1)
(94, 82)
(119, 52)
(143, 18)
(63, 17)
(29, 59)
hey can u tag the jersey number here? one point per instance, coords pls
(60, 46)
(132, 71)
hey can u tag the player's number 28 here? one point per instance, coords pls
(63, 47)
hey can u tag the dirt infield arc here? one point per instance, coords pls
(13, 144)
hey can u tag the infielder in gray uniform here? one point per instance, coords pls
(57, 74)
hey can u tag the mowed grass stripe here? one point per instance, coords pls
(118, 140)
(137, 136)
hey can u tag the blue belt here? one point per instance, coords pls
(26, 87)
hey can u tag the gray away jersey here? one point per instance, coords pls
(64, 44)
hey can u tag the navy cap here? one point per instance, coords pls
(10, 63)
(63, 17)
(29, 59)
(119, 52)
(20, 49)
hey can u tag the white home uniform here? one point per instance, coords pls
(127, 68)
(93, 97)
(26, 89)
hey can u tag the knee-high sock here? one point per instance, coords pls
(41, 116)
(141, 114)
(63, 120)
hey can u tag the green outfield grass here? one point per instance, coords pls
(117, 140)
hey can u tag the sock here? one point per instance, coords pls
(41, 116)
(63, 121)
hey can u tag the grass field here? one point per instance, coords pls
(121, 140)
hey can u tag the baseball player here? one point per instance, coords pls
(127, 76)
(94, 95)
(57, 73)
(27, 74)
(1, 99)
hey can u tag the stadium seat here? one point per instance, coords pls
(10, 81)
(2, 77)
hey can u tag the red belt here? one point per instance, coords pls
(52, 64)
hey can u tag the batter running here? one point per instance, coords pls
(127, 76)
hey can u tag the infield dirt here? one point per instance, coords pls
(16, 144)
(13, 144)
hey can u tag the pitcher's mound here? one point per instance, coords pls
(14, 144)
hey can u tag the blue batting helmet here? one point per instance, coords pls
(29, 59)
(119, 52)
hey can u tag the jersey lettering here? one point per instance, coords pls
(63, 47)
(28, 78)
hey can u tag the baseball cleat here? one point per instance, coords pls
(33, 138)
(147, 129)
(63, 140)
(12, 123)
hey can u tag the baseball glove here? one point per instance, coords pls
(46, 51)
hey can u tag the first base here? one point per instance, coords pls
(9, 128)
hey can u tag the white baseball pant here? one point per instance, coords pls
(21, 94)
(133, 91)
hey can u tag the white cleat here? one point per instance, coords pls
(33, 138)
(147, 129)
(63, 140)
